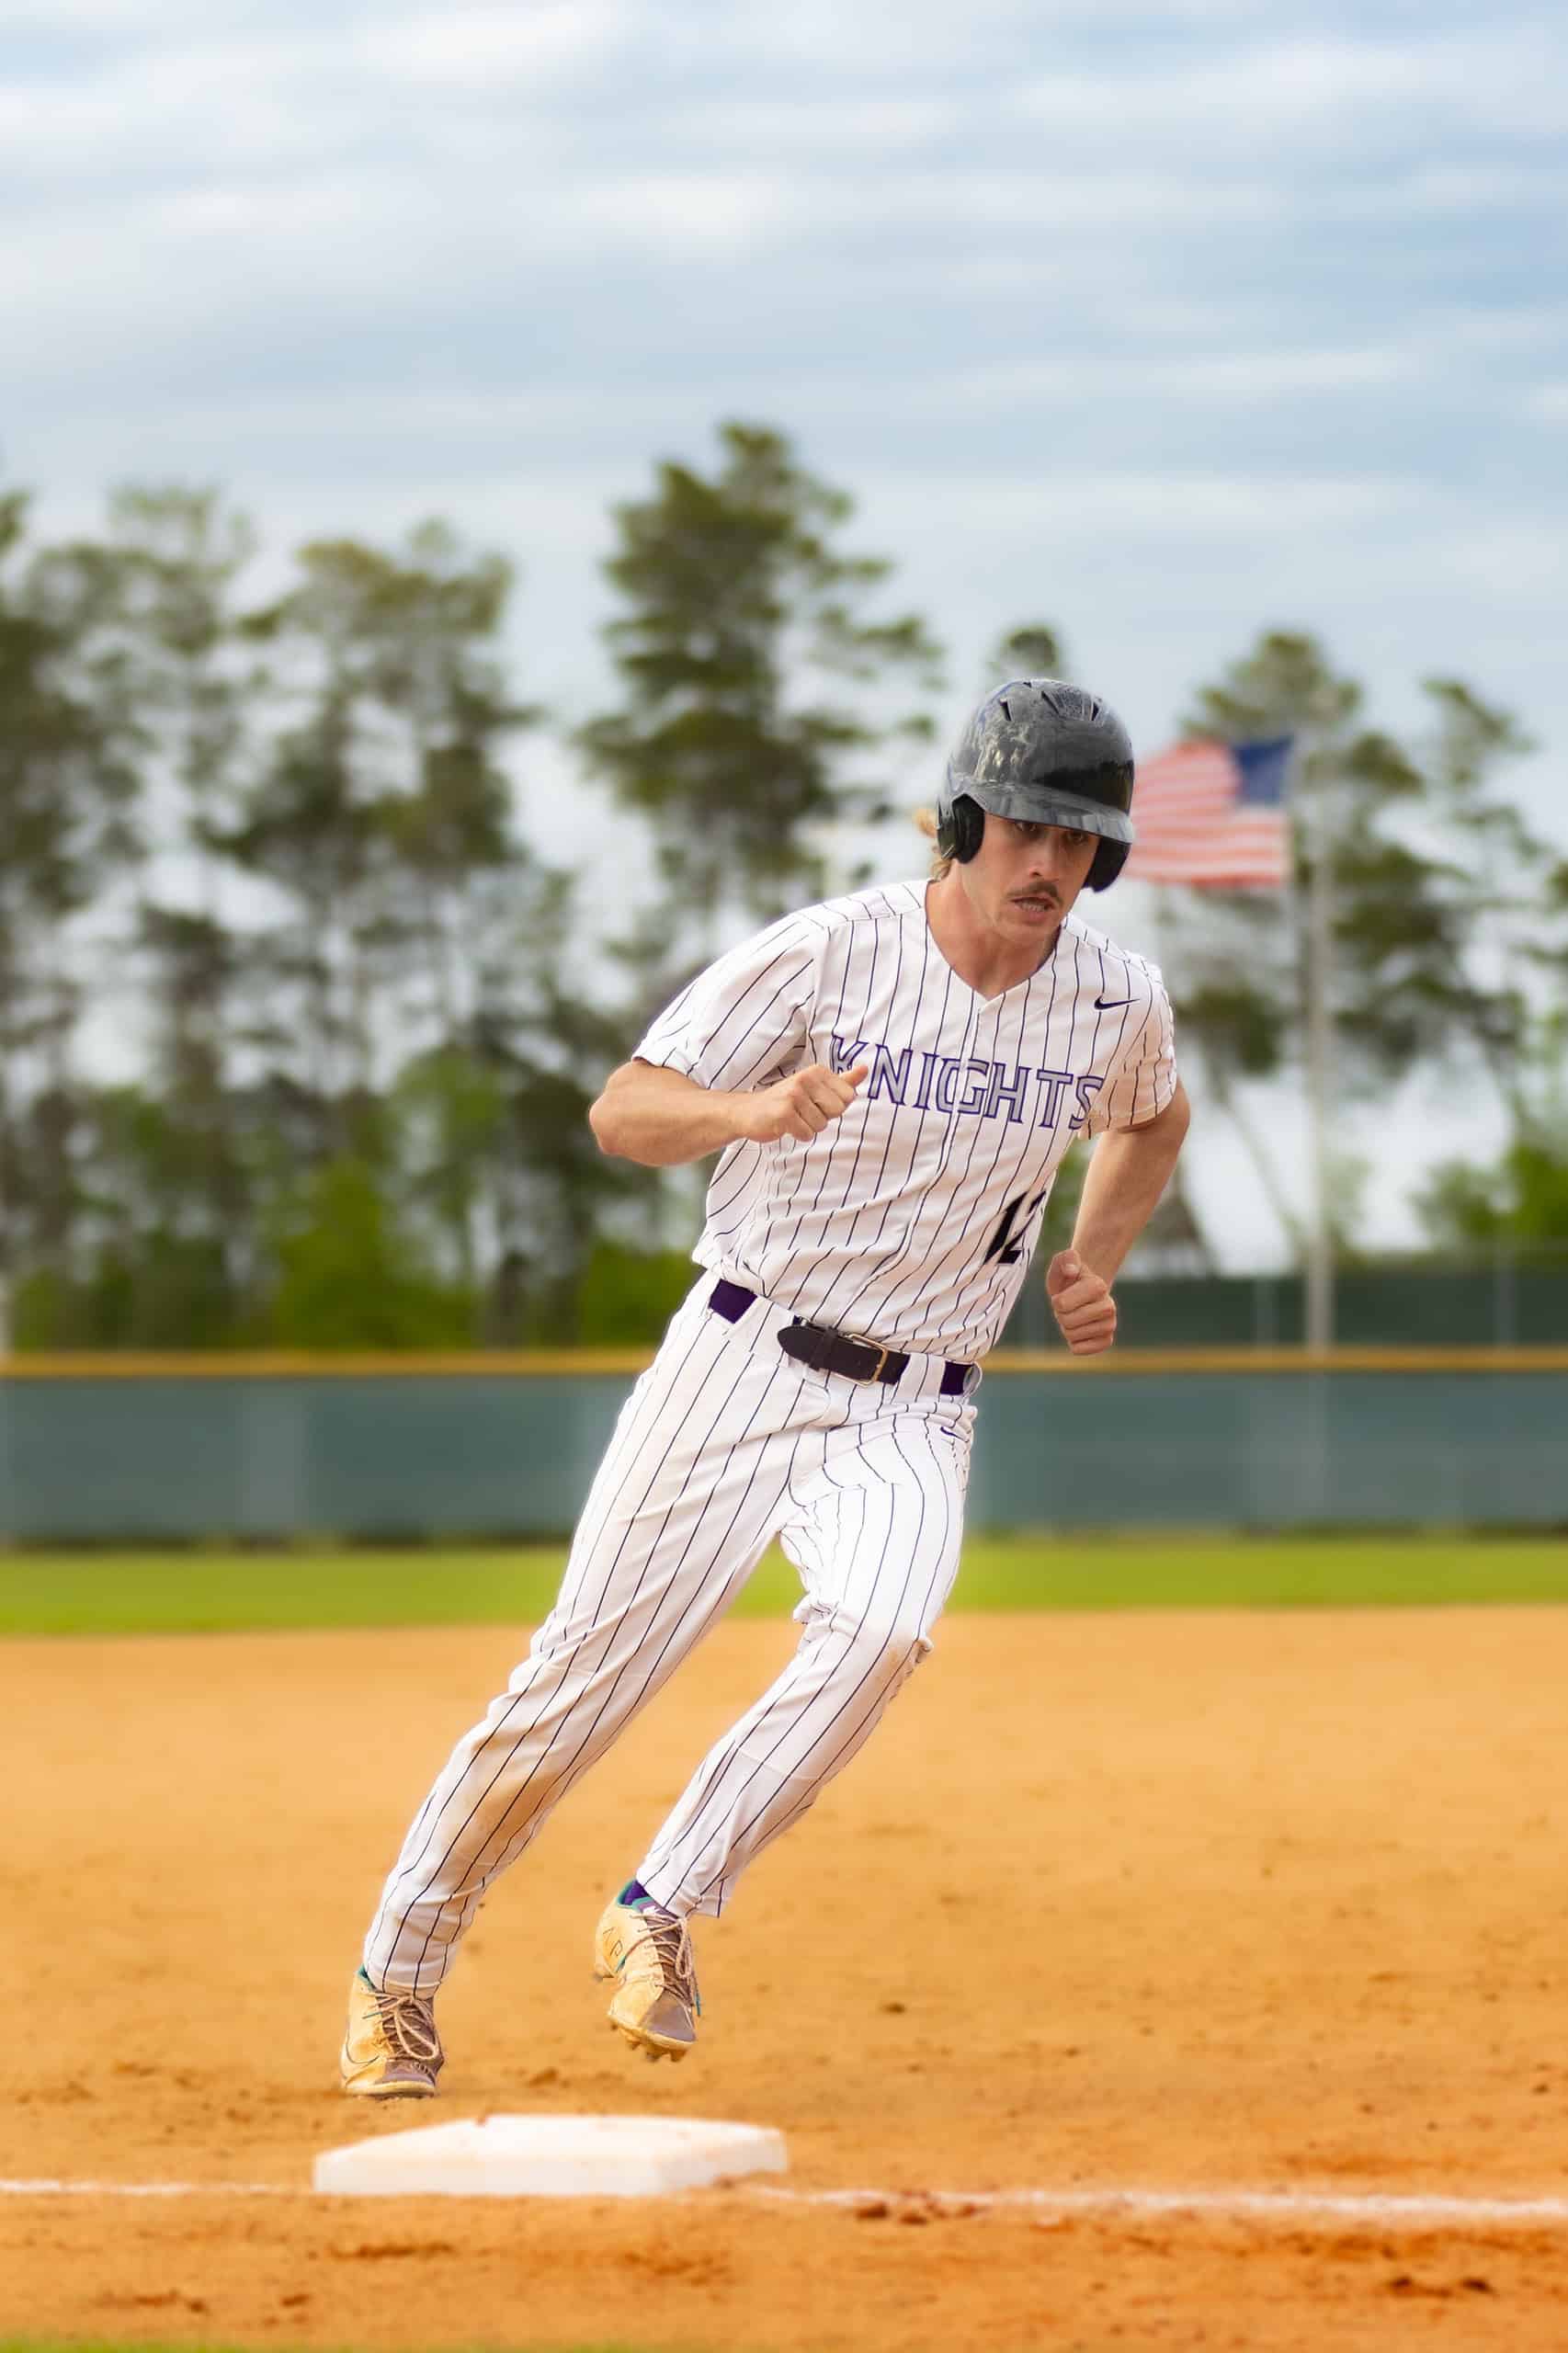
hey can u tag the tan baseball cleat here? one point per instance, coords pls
(648, 1952)
(390, 2048)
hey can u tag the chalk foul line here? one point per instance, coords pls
(44, 2189)
(1368, 2209)
(1350, 2209)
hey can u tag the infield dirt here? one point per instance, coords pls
(1164, 1902)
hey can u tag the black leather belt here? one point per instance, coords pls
(825, 1351)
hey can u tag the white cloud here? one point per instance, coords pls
(1023, 205)
(1344, 90)
(1441, 189)
(866, 39)
(1213, 374)
(1490, 328)
(700, 214)
(19, 18)
(861, 128)
(1270, 375)
(1511, 558)
(487, 51)
(201, 106)
(1308, 522)
(201, 259)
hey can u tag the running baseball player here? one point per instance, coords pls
(891, 1081)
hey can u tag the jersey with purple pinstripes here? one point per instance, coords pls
(911, 1220)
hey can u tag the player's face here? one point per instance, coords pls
(1024, 878)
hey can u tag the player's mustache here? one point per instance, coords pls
(1041, 890)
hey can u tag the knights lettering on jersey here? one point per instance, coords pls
(988, 1090)
(912, 1219)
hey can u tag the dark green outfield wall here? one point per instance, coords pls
(270, 1456)
(462, 1453)
(1277, 1449)
(1504, 1306)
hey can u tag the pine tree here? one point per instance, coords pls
(762, 699)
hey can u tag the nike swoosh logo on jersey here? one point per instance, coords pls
(1109, 1003)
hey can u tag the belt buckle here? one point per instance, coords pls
(877, 1368)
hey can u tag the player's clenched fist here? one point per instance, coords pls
(1082, 1304)
(802, 1104)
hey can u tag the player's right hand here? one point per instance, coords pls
(800, 1104)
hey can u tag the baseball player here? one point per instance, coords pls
(891, 1081)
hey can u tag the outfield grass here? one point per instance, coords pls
(188, 1592)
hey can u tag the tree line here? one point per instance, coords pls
(299, 1030)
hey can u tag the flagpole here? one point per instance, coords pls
(1320, 1060)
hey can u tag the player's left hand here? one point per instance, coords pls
(1082, 1304)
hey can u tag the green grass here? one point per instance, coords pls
(187, 1592)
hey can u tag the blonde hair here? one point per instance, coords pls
(926, 822)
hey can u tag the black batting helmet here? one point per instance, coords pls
(1046, 753)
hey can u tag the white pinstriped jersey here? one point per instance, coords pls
(911, 1220)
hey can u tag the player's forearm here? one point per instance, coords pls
(1129, 1170)
(661, 1118)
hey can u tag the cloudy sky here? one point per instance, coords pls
(1160, 322)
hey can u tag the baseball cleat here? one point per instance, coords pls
(648, 1953)
(390, 2048)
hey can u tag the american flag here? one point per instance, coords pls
(1213, 815)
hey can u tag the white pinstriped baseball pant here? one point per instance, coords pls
(724, 1443)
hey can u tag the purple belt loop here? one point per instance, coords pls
(731, 1300)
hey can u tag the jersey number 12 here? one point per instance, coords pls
(1007, 1243)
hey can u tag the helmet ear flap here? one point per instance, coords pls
(1108, 860)
(958, 829)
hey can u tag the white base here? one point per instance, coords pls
(550, 2156)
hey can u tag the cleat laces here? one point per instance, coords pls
(409, 2024)
(671, 1940)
